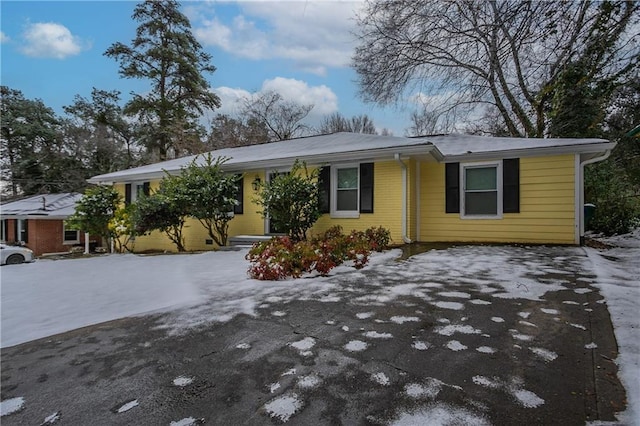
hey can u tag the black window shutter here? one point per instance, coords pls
(127, 194)
(324, 184)
(511, 185)
(452, 187)
(239, 208)
(366, 188)
(16, 235)
(145, 188)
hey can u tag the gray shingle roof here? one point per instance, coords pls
(356, 147)
(46, 206)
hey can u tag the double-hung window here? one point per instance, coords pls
(482, 190)
(346, 182)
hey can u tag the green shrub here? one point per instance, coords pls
(281, 257)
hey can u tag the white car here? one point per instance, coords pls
(13, 255)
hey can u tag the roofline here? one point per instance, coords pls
(530, 152)
(359, 155)
(34, 216)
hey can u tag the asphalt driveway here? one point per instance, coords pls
(468, 335)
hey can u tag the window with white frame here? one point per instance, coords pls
(22, 230)
(346, 189)
(482, 190)
(70, 236)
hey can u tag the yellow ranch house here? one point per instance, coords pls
(446, 188)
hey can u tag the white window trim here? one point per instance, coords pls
(343, 214)
(134, 189)
(65, 241)
(20, 229)
(463, 167)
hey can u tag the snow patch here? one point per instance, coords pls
(527, 398)
(127, 406)
(480, 302)
(591, 345)
(456, 306)
(304, 344)
(376, 335)
(582, 290)
(274, 387)
(49, 420)
(545, 354)
(308, 382)
(439, 414)
(454, 345)
(570, 302)
(243, 346)
(486, 382)
(450, 330)
(182, 381)
(381, 379)
(356, 346)
(457, 294)
(345, 328)
(402, 320)
(497, 319)
(486, 350)
(10, 406)
(524, 315)
(284, 407)
(278, 313)
(550, 311)
(364, 315)
(421, 346)
(581, 327)
(427, 390)
(188, 421)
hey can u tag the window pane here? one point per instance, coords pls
(481, 203)
(70, 235)
(348, 178)
(347, 200)
(481, 178)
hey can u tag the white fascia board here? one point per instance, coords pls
(531, 152)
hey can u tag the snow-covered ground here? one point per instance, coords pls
(618, 271)
(49, 297)
(53, 296)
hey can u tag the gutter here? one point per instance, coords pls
(592, 160)
(406, 239)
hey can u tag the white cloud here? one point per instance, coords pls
(3, 37)
(313, 34)
(322, 97)
(50, 40)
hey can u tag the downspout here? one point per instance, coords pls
(581, 206)
(406, 239)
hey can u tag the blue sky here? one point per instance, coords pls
(53, 50)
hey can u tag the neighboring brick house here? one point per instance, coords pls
(38, 222)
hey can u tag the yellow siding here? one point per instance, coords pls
(387, 200)
(547, 209)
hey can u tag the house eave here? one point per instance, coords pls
(310, 160)
(596, 149)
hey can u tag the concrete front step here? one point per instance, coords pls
(247, 240)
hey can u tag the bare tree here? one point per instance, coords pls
(508, 55)
(282, 117)
(228, 132)
(336, 122)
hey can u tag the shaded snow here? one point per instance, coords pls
(52, 418)
(421, 346)
(304, 344)
(454, 345)
(545, 354)
(456, 306)
(402, 320)
(376, 335)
